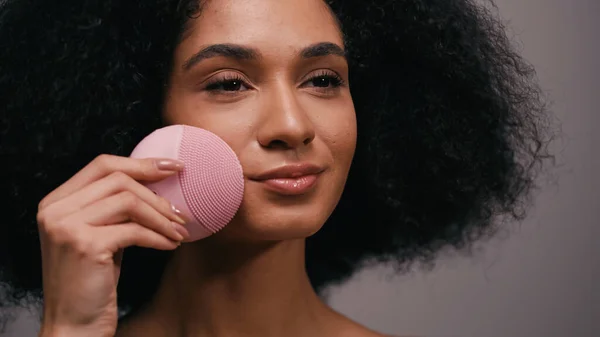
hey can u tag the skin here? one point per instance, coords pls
(276, 114)
(280, 109)
(284, 105)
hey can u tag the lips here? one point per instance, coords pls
(296, 179)
(289, 171)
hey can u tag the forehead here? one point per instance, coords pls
(283, 23)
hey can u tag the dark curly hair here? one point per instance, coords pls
(452, 126)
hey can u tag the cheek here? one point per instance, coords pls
(234, 123)
(339, 133)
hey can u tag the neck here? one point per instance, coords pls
(215, 289)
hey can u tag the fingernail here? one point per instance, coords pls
(181, 231)
(169, 165)
(178, 215)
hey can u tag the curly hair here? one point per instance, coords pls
(452, 126)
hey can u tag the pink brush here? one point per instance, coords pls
(210, 188)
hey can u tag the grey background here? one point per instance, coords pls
(542, 278)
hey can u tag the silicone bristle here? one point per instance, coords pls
(213, 181)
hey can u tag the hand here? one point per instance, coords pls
(84, 226)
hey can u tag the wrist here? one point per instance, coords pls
(56, 331)
(54, 325)
(49, 330)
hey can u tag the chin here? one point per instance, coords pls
(270, 216)
(260, 219)
(274, 225)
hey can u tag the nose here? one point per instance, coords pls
(286, 124)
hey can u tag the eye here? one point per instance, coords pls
(324, 81)
(228, 84)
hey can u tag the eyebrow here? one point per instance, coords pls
(243, 53)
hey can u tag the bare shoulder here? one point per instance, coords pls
(342, 325)
(371, 333)
(354, 329)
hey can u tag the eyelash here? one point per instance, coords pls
(215, 86)
(335, 79)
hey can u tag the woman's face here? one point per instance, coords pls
(270, 78)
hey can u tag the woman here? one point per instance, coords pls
(417, 119)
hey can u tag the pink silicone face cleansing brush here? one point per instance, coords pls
(210, 188)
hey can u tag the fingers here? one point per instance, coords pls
(110, 185)
(106, 193)
(127, 207)
(101, 243)
(132, 234)
(149, 169)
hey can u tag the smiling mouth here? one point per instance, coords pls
(291, 180)
(291, 186)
